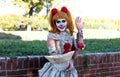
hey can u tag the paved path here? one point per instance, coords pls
(101, 34)
(88, 34)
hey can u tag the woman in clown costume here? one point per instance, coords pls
(61, 41)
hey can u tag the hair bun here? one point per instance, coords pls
(64, 9)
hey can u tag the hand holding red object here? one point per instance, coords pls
(81, 45)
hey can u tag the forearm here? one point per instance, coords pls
(80, 35)
(51, 49)
(79, 40)
(75, 55)
(51, 46)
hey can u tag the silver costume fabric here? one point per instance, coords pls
(59, 70)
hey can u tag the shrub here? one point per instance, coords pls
(10, 22)
(14, 48)
(108, 24)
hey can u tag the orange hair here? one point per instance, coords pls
(59, 15)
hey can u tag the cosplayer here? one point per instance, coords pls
(62, 41)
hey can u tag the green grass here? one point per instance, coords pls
(14, 48)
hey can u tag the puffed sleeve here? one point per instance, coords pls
(52, 47)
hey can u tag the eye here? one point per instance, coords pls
(57, 21)
(63, 21)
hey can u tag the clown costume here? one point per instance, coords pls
(60, 41)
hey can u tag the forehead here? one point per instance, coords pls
(61, 19)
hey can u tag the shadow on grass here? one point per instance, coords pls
(9, 36)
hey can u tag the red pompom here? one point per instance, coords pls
(67, 47)
(54, 11)
(64, 9)
(80, 45)
(66, 51)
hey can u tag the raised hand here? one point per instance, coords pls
(79, 24)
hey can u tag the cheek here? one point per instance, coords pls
(57, 24)
(65, 23)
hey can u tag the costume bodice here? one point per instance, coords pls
(61, 39)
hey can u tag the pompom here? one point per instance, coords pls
(54, 11)
(66, 51)
(67, 47)
(64, 9)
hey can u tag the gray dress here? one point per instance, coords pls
(59, 70)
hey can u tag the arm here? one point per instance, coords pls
(79, 41)
(79, 26)
(51, 46)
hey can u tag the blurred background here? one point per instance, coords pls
(24, 25)
(31, 15)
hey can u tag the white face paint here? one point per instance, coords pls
(61, 24)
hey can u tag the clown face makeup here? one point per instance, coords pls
(61, 24)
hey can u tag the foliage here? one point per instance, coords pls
(101, 45)
(36, 4)
(40, 21)
(14, 48)
(33, 6)
(109, 24)
(9, 36)
(9, 22)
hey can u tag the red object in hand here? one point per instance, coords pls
(67, 47)
(80, 45)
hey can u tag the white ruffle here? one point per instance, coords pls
(57, 70)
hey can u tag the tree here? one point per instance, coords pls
(33, 6)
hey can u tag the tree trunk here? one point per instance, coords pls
(29, 26)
